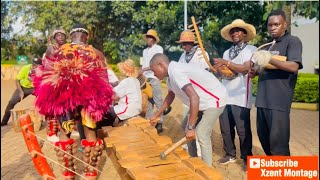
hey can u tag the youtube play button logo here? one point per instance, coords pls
(254, 163)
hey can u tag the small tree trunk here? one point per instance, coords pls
(287, 11)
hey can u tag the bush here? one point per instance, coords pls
(306, 90)
(114, 67)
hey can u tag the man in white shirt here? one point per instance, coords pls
(192, 55)
(198, 89)
(153, 48)
(127, 93)
(237, 111)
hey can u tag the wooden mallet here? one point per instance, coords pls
(173, 147)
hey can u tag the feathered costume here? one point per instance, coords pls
(74, 77)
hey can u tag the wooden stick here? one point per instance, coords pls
(201, 45)
(177, 144)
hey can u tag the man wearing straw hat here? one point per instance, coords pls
(198, 89)
(153, 48)
(127, 93)
(276, 87)
(192, 55)
(237, 112)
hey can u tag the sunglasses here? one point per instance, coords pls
(187, 43)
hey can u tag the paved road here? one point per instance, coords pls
(16, 162)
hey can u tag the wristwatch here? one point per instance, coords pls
(190, 126)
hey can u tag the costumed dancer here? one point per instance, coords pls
(73, 85)
(59, 36)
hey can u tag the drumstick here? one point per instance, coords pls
(177, 144)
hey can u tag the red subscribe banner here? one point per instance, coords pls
(283, 167)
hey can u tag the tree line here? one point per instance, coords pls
(117, 27)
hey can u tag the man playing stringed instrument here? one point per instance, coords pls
(237, 112)
(276, 86)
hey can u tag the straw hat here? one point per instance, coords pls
(128, 68)
(153, 33)
(239, 23)
(186, 36)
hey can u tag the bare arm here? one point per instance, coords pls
(18, 85)
(194, 103)
(102, 58)
(238, 68)
(289, 66)
(193, 113)
(166, 103)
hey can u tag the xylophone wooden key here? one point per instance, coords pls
(135, 154)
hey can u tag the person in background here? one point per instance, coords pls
(127, 94)
(59, 36)
(192, 55)
(24, 88)
(153, 48)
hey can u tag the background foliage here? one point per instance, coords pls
(117, 27)
(306, 90)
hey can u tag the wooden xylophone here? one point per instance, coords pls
(36, 118)
(135, 150)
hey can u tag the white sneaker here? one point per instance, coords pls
(53, 138)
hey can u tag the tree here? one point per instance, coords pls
(5, 21)
(117, 27)
(307, 9)
(215, 15)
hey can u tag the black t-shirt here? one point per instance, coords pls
(275, 86)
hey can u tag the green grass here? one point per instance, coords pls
(8, 62)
